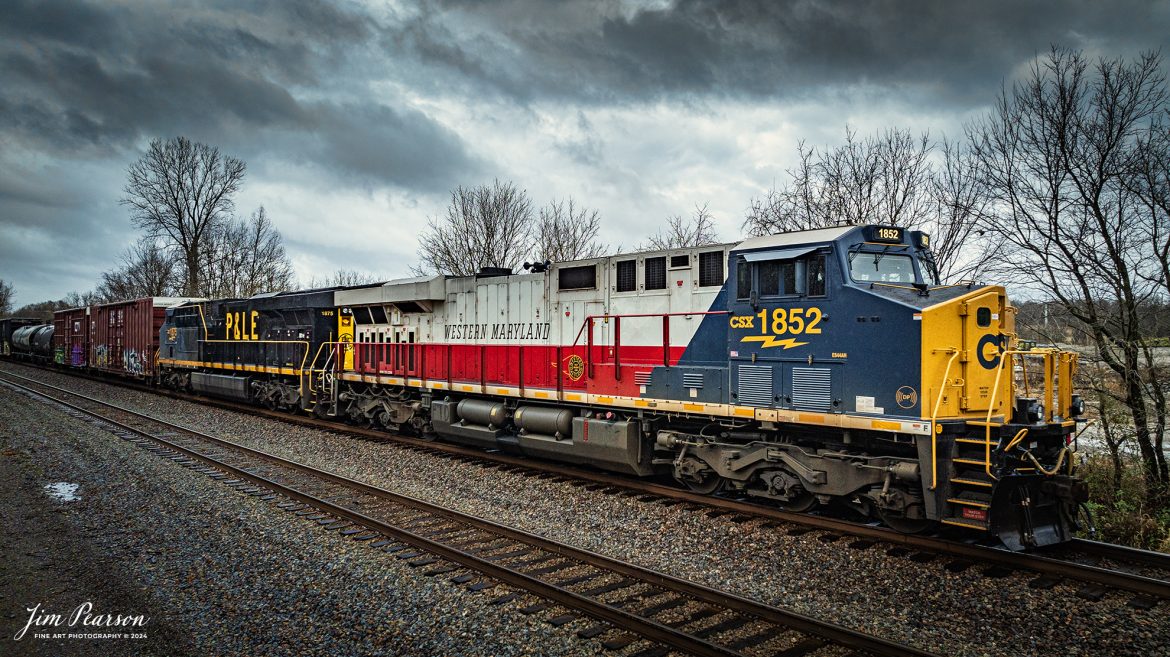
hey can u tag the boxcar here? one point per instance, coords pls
(124, 335)
(71, 337)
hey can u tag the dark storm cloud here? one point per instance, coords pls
(955, 52)
(93, 81)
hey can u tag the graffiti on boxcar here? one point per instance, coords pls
(101, 356)
(132, 362)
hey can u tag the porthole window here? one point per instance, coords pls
(983, 317)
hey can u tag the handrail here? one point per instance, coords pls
(893, 285)
(304, 357)
(589, 318)
(934, 417)
(1005, 357)
(312, 369)
(587, 323)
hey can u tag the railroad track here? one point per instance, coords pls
(1097, 567)
(630, 604)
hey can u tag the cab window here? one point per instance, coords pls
(781, 278)
(743, 280)
(881, 267)
(816, 276)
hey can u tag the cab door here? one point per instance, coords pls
(984, 341)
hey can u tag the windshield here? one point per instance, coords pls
(881, 267)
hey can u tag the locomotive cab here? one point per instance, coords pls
(843, 345)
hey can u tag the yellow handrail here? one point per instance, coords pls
(315, 357)
(1016, 439)
(1004, 358)
(934, 417)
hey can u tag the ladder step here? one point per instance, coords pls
(975, 503)
(970, 461)
(983, 423)
(971, 482)
(965, 522)
(972, 441)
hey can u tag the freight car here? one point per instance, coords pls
(33, 342)
(119, 338)
(8, 326)
(806, 368)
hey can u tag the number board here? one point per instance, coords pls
(887, 234)
(780, 327)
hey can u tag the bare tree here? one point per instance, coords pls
(484, 227)
(1060, 153)
(342, 278)
(44, 310)
(6, 294)
(147, 269)
(242, 258)
(681, 233)
(181, 190)
(566, 232)
(79, 299)
(895, 178)
(962, 249)
(882, 179)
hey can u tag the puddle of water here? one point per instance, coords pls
(62, 491)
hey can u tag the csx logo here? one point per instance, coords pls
(743, 322)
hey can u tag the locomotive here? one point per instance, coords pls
(809, 368)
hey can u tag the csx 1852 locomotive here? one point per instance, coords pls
(806, 368)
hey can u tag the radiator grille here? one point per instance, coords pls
(641, 378)
(693, 380)
(627, 275)
(755, 385)
(812, 388)
(710, 268)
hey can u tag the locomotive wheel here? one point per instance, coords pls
(709, 484)
(799, 504)
(904, 525)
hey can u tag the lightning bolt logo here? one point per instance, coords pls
(767, 341)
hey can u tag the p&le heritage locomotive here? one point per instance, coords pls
(805, 368)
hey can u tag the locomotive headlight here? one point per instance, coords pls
(1028, 410)
(1077, 407)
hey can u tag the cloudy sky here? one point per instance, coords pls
(357, 119)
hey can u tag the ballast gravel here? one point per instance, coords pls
(221, 573)
(895, 597)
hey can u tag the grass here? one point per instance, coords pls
(1123, 515)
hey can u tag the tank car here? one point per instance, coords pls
(8, 326)
(806, 368)
(33, 342)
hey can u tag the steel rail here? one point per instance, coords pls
(1030, 561)
(649, 629)
(1120, 552)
